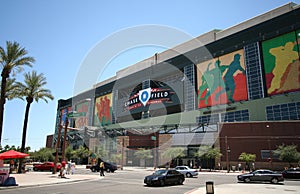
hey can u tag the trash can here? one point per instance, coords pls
(233, 168)
(210, 187)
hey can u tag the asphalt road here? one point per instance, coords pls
(123, 182)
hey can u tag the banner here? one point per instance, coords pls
(103, 110)
(222, 80)
(64, 113)
(281, 63)
(82, 108)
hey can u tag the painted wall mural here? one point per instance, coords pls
(103, 110)
(82, 108)
(281, 63)
(222, 80)
(64, 113)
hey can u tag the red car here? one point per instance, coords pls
(47, 166)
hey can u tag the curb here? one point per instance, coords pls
(47, 184)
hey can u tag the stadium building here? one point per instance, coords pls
(236, 89)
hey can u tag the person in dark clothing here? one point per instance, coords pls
(102, 169)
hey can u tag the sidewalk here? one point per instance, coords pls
(47, 178)
(249, 188)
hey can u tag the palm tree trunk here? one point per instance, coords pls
(24, 133)
(2, 102)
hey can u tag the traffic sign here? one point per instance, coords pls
(76, 114)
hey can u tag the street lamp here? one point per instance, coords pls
(228, 160)
(227, 153)
(154, 138)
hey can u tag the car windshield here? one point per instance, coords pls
(160, 172)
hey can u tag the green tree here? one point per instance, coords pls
(12, 60)
(32, 89)
(247, 158)
(116, 158)
(209, 153)
(11, 92)
(70, 153)
(172, 153)
(143, 154)
(201, 152)
(11, 89)
(102, 153)
(288, 153)
(43, 155)
(82, 153)
(213, 153)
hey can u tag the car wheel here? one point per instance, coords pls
(108, 170)
(93, 169)
(247, 180)
(188, 175)
(51, 169)
(274, 180)
(180, 181)
(162, 183)
(35, 169)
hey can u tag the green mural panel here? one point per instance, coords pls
(222, 80)
(281, 63)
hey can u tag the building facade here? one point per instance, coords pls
(218, 86)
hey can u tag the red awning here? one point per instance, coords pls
(12, 154)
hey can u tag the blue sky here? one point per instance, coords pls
(59, 34)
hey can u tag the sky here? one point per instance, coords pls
(60, 35)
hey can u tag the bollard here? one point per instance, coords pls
(209, 187)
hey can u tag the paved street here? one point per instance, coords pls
(130, 180)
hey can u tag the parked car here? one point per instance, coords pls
(109, 167)
(261, 176)
(164, 177)
(291, 173)
(47, 166)
(187, 171)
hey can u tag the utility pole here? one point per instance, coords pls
(65, 139)
(155, 151)
(122, 159)
(57, 145)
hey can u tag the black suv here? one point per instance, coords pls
(108, 167)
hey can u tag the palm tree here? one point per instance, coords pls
(12, 60)
(32, 90)
(11, 89)
(173, 153)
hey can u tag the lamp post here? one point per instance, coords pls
(227, 154)
(228, 158)
(154, 138)
(122, 159)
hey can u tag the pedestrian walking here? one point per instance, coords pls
(102, 169)
(63, 169)
(73, 168)
(240, 166)
(69, 167)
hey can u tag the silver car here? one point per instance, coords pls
(187, 171)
